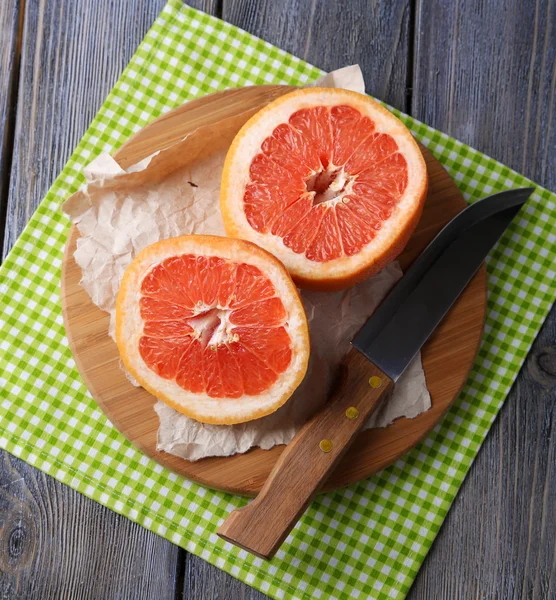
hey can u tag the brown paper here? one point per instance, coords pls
(175, 192)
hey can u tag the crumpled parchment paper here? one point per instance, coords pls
(174, 192)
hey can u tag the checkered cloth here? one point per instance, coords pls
(366, 541)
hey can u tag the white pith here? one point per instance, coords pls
(129, 329)
(204, 322)
(248, 144)
(337, 190)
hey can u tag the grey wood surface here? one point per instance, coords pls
(485, 73)
(481, 71)
(10, 40)
(54, 542)
(334, 34)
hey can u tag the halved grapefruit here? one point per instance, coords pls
(212, 326)
(328, 181)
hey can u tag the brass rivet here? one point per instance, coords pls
(375, 382)
(325, 445)
(352, 412)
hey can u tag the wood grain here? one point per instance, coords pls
(305, 464)
(331, 34)
(11, 31)
(57, 543)
(204, 581)
(485, 72)
(131, 409)
(334, 34)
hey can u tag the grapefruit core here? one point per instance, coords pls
(212, 326)
(328, 181)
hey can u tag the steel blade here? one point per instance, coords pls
(400, 326)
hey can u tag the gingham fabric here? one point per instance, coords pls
(366, 541)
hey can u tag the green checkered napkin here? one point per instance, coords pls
(366, 541)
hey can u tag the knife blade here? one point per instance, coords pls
(381, 351)
(395, 332)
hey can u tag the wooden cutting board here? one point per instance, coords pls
(447, 356)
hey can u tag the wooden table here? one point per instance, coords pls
(481, 71)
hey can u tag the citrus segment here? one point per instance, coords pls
(326, 244)
(212, 326)
(314, 126)
(284, 222)
(296, 166)
(349, 129)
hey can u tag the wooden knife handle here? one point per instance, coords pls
(261, 526)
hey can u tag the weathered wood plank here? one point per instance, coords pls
(73, 53)
(485, 73)
(499, 539)
(55, 543)
(334, 34)
(11, 26)
(329, 35)
(206, 582)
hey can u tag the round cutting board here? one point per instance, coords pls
(447, 356)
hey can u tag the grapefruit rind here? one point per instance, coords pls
(202, 407)
(395, 232)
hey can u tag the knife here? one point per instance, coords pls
(381, 351)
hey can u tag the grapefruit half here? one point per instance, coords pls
(328, 181)
(212, 326)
